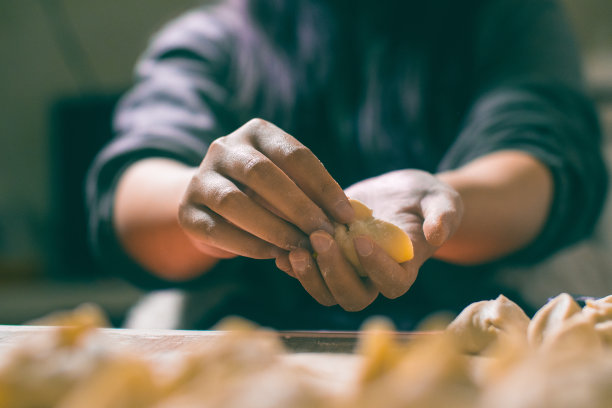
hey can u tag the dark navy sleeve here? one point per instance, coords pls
(530, 97)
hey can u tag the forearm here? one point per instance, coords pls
(146, 219)
(506, 197)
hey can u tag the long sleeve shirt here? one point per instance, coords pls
(505, 75)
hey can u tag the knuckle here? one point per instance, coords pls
(224, 198)
(256, 168)
(291, 239)
(185, 214)
(328, 187)
(255, 125)
(308, 218)
(206, 226)
(197, 222)
(299, 154)
(217, 146)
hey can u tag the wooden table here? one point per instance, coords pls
(326, 353)
(152, 341)
(329, 354)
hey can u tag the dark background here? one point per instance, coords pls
(64, 64)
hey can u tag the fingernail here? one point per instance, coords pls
(320, 242)
(299, 261)
(345, 210)
(363, 246)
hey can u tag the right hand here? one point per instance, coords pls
(260, 193)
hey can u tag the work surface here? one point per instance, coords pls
(160, 341)
(518, 363)
(313, 353)
(326, 353)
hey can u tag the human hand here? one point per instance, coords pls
(259, 193)
(419, 203)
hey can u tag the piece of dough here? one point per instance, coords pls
(389, 237)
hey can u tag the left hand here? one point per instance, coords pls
(426, 208)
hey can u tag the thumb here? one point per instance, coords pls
(441, 217)
(435, 230)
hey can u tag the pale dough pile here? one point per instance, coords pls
(488, 322)
(561, 359)
(491, 356)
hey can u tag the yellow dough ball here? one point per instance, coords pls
(388, 236)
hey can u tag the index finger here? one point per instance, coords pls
(303, 167)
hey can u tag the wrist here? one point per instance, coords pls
(145, 219)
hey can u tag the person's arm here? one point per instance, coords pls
(175, 110)
(506, 197)
(146, 220)
(529, 97)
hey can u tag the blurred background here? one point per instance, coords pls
(64, 64)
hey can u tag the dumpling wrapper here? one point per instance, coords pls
(550, 318)
(483, 324)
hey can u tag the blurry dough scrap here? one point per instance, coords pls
(244, 352)
(483, 324)
(604, 330)
(43, 369)
(549, 319)
(246, 346)
(429, 372)
(123, 382)
(53, 375)
(38, 379)
(570, 366)
(544, 380)
(607, 300)
(381, 352)
(600, 309)
(388, 236)
(73, 325)
(272, 386)
(245, 370)
(573, 336)
(85, 315)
